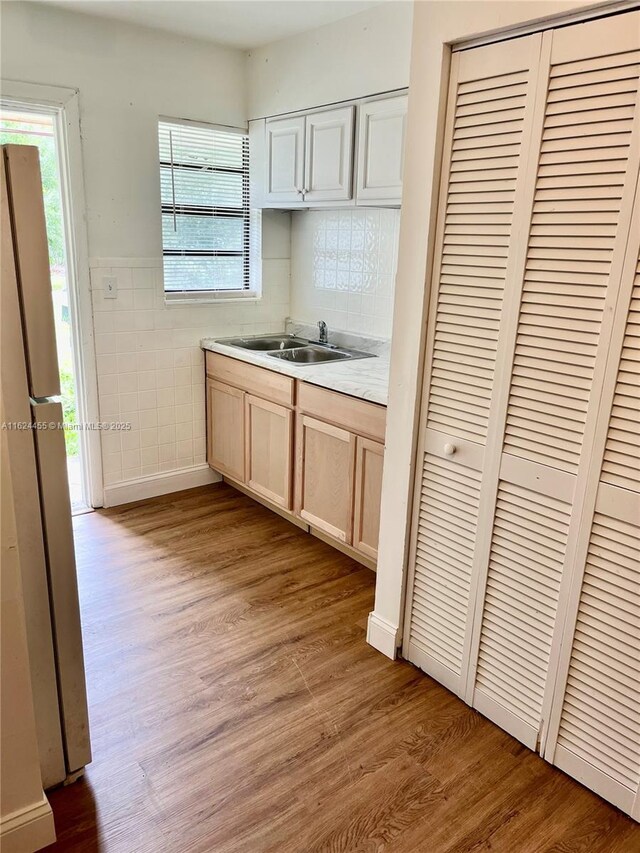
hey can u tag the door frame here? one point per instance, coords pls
(63, 105)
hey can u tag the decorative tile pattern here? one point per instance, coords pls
(343, 265)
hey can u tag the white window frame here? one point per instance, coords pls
(63, 105)
(254, 292)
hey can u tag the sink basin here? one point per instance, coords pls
(317, 355)
(266, 343)
(294, 350)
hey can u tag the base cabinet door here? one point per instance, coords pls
(269, 450)
(325, 468)
(225, 429)
(368, 490)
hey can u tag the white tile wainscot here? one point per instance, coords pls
(151, 372)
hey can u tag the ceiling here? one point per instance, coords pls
(237, 23)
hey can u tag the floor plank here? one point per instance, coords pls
(236, 707)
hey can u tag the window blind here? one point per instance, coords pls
(204, 181)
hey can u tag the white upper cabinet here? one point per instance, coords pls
(309, 160)
(284, 159)
(329, 155)
(381, 130)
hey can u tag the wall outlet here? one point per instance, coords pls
(110, 286)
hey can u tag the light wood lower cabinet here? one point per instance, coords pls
(368, 491)
(309, 453)
(269, 450)
(325, 465)
(225, 429)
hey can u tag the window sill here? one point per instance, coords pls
(210, 300)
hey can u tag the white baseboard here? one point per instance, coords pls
(28, 829)
(382, 635)
(159, 484)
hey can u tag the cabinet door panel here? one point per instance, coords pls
(329, 155)
(325, 472)
(284, 159)
(225, 429)
(368, 490)
(269, 449)
(382, 127)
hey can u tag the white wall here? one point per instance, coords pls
(435, 24)
(343, 265)
(127, 76)
(351, 58)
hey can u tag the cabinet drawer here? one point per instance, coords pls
(257, 380)
(358, 416)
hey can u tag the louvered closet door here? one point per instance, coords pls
(595, 720)
(582, 183)
(489, 119)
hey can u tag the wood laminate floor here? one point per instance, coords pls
(236, 707)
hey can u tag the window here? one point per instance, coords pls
(206, 218)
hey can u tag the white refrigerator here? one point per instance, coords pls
(37, 458)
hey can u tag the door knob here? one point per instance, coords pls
(449, 449)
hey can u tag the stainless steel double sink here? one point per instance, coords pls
(295, 350)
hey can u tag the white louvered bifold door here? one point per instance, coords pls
(535, 226)
(491, 100)
(584, 162)
(594, 731)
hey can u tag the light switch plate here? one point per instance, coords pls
(110, 286)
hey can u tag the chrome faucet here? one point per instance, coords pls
(323, 332)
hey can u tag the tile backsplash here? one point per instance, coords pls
(343, 266)
(150, 366)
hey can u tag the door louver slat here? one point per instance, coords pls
(621, 465)
(487, 136)
(521, 597)
(600, 720)
(444, 555)
(581, 175)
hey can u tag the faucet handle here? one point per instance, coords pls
(322, 328)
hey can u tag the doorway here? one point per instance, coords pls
(21, 126)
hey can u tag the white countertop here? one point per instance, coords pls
(365, 378)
